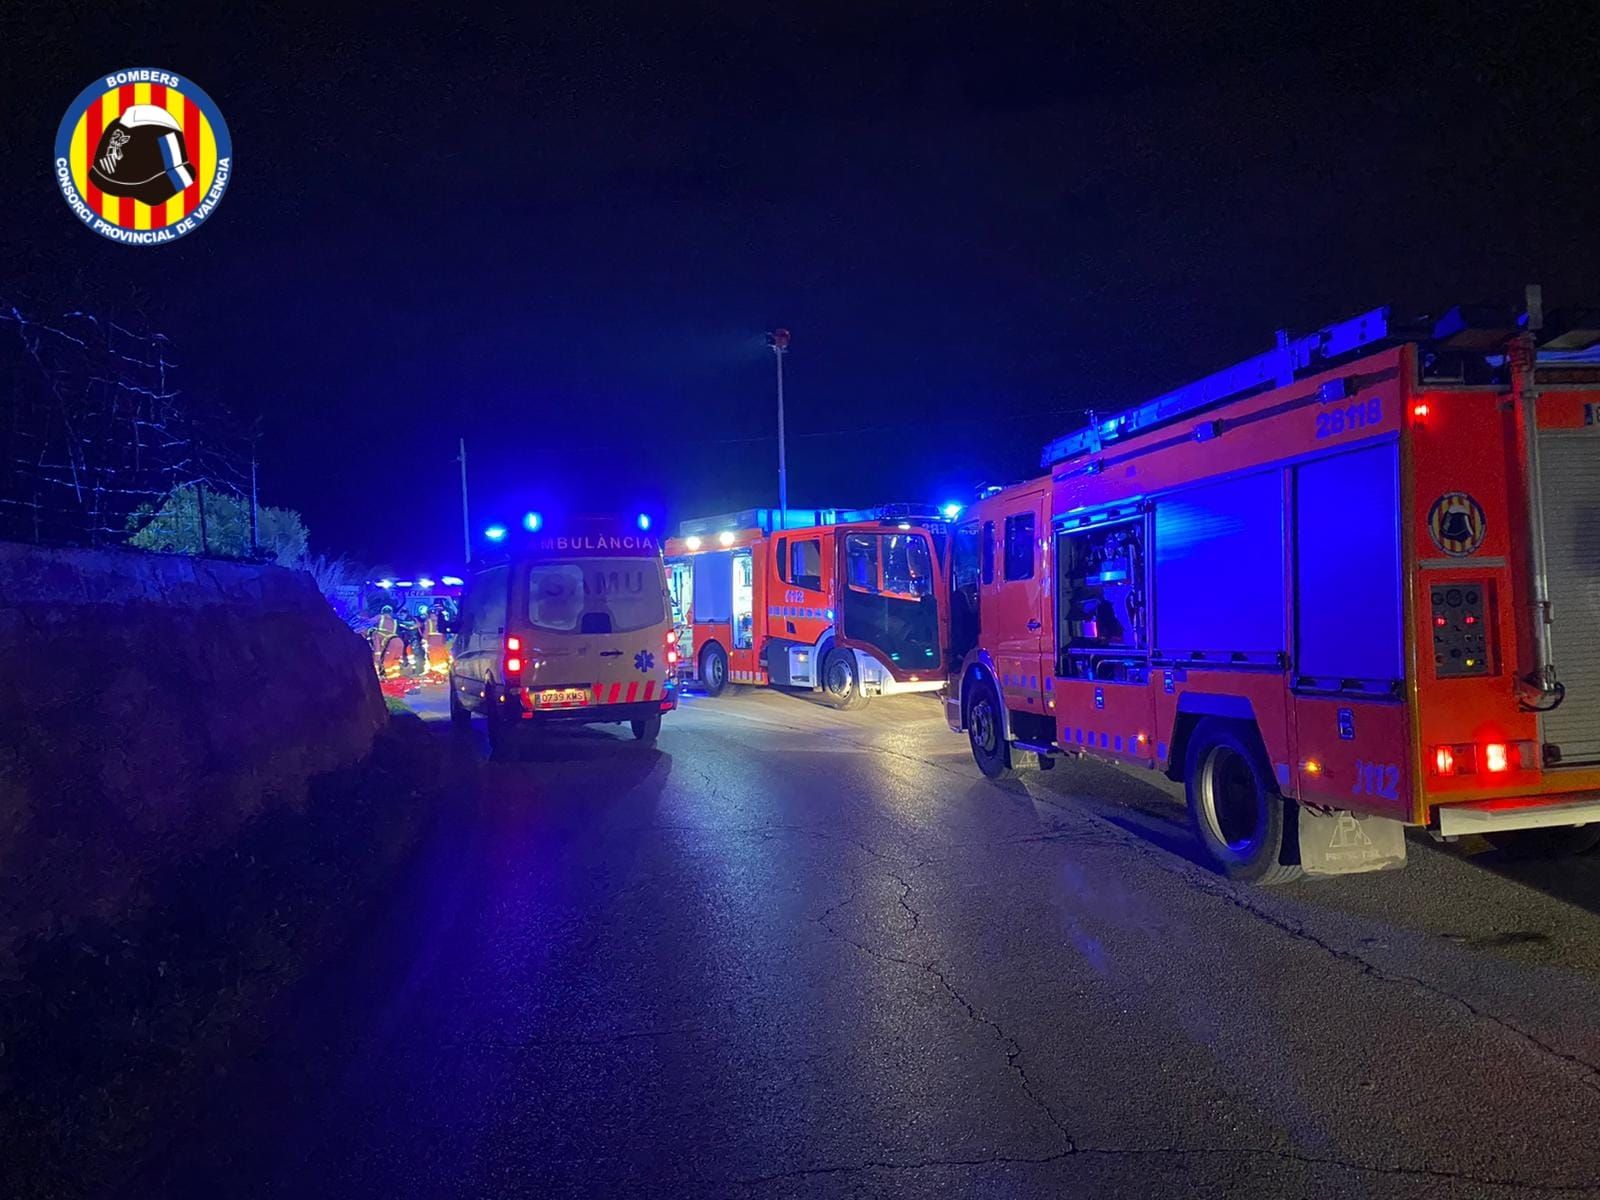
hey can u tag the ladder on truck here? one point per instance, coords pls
(1278, 367)
(1566, 339)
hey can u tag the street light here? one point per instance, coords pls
(778, 340)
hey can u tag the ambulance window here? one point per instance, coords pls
(861, 554)
(555, 596)
(596, 595)
(988, 551)
(907, 565)
(1019, 546)
(484, 607)
(806, 564)
(783, 559)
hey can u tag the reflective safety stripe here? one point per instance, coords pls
(633, 691)
(616, 690)
(650, 690)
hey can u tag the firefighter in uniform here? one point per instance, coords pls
(382, 632)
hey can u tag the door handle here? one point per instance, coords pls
(610, 653)
(1034, 624)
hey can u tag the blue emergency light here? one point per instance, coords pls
(531, 522)
(495, 533)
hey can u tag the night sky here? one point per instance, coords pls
(562, 233)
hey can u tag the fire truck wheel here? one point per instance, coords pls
(713, 669)
(986, 732)
(1546, 843)
(1240, 816)
(647, 730)
(840, 686)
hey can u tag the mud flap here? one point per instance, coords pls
(1344, 844)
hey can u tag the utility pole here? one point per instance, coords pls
(466, 527)
(778, 339)
(255, 511)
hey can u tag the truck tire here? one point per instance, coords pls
(646, 731)
(1556, 842)
(713, 670)
(986, 732)
(1241, 818)
(841, 682)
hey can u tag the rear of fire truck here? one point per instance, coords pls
(1504, 517)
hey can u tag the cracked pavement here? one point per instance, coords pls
(792, 952)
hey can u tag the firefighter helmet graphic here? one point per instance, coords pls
(143, 156)
(1456, 524)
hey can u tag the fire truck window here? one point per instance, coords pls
(1219, 570)
(1104, 617)
(1347, 571)
(712, 585)
(783, 559)
(907, 565)
(988, 551)
(743, 601)
(963, 592)
(861, 555)
(805, 570)
(1019, 546)
(901, 618)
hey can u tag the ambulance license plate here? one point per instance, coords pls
(561, 698)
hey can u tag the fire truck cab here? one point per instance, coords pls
(1349, 586)
(842, 602)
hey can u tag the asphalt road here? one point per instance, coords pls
(792, 952)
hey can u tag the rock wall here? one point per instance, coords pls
(150, 705)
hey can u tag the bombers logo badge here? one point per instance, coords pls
(143, 156)
(1456, 524)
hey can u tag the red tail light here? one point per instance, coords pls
(513, 666)
(513, 645)
(672, 637)
(1490, 758)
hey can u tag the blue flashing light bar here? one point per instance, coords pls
(531, 521)
(495, 533)
(644, 521)
(452, 581)
(952, 511)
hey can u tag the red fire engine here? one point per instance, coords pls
(1328, 589)
(842, 602)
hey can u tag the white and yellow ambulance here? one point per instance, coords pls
(568, 621)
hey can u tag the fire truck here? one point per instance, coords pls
(1348, 586)
(842, 602)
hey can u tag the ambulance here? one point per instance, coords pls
(1349, 586)
(566, 622)
(845, 603)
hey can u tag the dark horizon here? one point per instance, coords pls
(564, 239)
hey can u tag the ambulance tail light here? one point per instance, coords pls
(513, 660)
